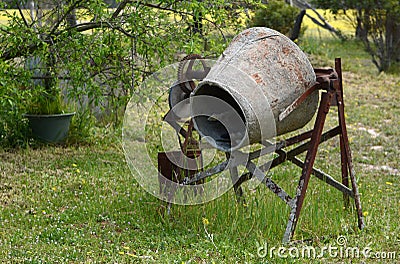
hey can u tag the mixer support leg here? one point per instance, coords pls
(347, 163)
(345, 170)
(297, 201)
(345, 151)
(233, 171)
(343, 133)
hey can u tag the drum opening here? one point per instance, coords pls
(218, 117)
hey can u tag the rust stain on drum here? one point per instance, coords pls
(300, 76)
(257, 78)
(286, 50)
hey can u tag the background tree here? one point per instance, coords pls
(377, 24)
(100, 55)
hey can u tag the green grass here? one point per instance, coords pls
(323, 50)
(81, 204)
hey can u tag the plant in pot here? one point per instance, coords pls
(49, 116)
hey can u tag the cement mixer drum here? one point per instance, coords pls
(280, 73)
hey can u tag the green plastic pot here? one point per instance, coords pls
(50, 128)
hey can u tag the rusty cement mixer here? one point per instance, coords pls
(261, 86)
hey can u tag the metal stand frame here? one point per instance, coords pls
(332, 96)
(330, 82)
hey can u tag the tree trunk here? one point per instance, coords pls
(392, 37)
(198, 23)
(31, 5)
(297, 25)
(71, 17)
(360, 29)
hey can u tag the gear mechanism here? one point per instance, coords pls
(186, 74)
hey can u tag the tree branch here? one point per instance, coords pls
(324, 23)
(10, 54)
(120, 7)
(70, 9)
(185, 13)
(82, 27)
(22, 15)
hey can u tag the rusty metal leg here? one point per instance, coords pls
(343, 156)
(350, 167)
(347, 152)
(345, 170)
(236, 185)
(308, 166)
(238, 189)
